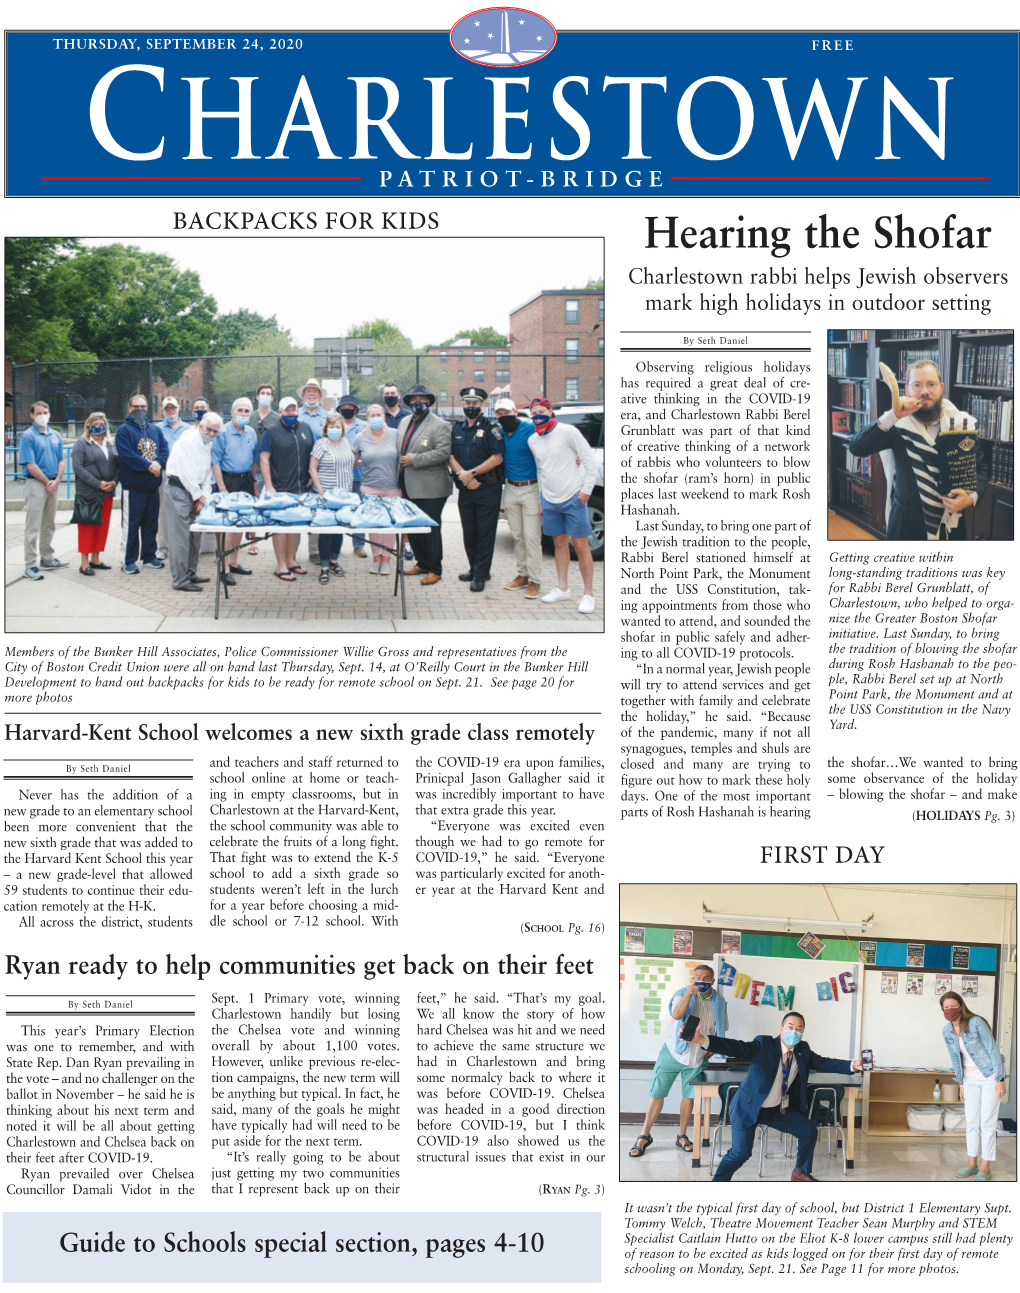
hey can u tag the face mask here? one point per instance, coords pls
(508, 423)
(335, 433)
(376, 424)
(471, 411)
(96, 429)
(242, 419)
(41, 420)
(791, 1038)
(311, 404)
(199, 414)
(208, 436)
(391, 401)
(951, 1013)
(420, 407)
(139, 417)
(170, 417)
(703, 988)
(540, 419)
(288, 419)
(349, 413)
(265, 401)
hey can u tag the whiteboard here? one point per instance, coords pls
(647, 983)
(905, 1031)
(830, 1027)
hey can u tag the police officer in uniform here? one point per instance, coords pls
(476, 461)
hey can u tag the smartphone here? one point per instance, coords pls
(867, 1061)
(690, 1028)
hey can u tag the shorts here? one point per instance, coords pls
(666, 1072)
(570, 518)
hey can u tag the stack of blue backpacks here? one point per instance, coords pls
(332, 508)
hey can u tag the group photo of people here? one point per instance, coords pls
(136, 455)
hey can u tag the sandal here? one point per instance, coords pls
(637, 1149)
(297, 570)
(324, 577)
(287, 578)
(253, 550)
(334, 568)
(686, 1145)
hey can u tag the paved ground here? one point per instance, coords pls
(114, 602)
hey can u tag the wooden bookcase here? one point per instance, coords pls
(859, 493)
(887, 1092)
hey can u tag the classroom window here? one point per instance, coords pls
(573, 349)
(573, 312)
(572, 391)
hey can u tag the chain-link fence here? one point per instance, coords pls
(73, 390)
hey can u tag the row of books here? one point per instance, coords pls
(846, 461)
(838, 362)
(1000, 469)
(853, 492)
(929, 354)
(848, 334)
(993, 417)
(853, 395)
(908, 334)
(984, 365)
(846, 421)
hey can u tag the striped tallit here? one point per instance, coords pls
(924, 459)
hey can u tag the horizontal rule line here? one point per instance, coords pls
(240, 179)
(884, 178)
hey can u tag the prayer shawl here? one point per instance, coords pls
(924, 458)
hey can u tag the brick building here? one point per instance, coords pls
(462, 364)
(557, 346)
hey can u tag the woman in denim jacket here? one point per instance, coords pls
(978, 1067)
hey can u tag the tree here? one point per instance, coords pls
(389, 340)
(128, 303)
(479, 337)
(235, 332)
(36, 284)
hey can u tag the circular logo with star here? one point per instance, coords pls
(503, 37)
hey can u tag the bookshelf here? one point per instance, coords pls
(886, 1096)
(977, 369)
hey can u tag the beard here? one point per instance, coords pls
(930, 412)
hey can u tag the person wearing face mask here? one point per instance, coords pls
(171, 426)
(94, 462)
(567, 470)
(313, 414)
(199, 409)
(285, 451)
(394, 415)
(680, 1059)
(141, 454)
(41, 454)
(353, 425)
(233, 454)
(424, 477)
(376, 452)
(978, 1067)
(189, 483)
(520, 498)
(263, 412)
(774, 1092)
(476, 460)
(331, 467)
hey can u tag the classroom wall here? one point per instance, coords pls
(945, 912)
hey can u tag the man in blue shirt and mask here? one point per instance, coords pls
(774, 1092)
(171, 426)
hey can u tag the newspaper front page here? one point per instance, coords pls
(510, 646)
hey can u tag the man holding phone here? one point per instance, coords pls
(681, 1056)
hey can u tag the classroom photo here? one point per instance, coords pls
(817, 1032)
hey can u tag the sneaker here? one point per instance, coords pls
(376, 568)
(520, 582)
(130, 569)
(586, 605)
(557, 595)
(32, 572)
(361, 552)
(154, 562)
(532, 590)
(53, 565)
(967, 1171)
(161, 554)
(982, 1176)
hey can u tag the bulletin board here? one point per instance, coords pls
(905, 1029)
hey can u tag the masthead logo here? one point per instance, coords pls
(503, 37)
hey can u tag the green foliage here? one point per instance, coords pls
(236, 331)
(389, 340)
(36, 286)
(479, 337)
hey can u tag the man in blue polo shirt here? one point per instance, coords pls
(520, 498)
(234, 454)
(41, 454)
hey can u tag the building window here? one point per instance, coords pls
(479, 375)
(573, 348)
(502, 374)
(479, 356)
(573, 391)
(460, 374)
(502, 356)
(602, 388)
(442, 397)
(186, 380)
(442, 356)
(602, 307)
(602, 347)
(573, 312)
